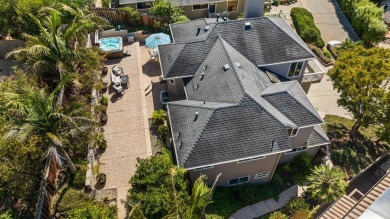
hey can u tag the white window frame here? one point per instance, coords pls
(136, 6)
(263, 175)
(201, 9)
(294, 76)
(292, 131)
(296, 150)
(251, 159)
(227, 5)
(203, 168)
(238, 182)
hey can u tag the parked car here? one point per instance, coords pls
(333, 43)
(164, 97)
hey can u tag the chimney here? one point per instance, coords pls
(197, 33)
(254, 8)
(202, 76)
(217, 17)
(248, 25)
(196, 116)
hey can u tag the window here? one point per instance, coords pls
(239, 180)
(203, 168)
(295, 69)
(172, 81)
(200, 7)
(144, 5)
(250, 159)
(296, 150)
(292, 132)
(232, 5)
(261, 175)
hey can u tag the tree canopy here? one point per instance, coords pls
(361, 76)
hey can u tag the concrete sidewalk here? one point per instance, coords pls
(266, 206)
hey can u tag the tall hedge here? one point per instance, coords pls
(305, 26)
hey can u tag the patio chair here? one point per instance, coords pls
(118, 89)
(153, 55)
(117, 70)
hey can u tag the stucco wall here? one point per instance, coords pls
(285, 158)
(177, 88)
(254, 8)
(300, 139)
(234, 170)
(194, 14)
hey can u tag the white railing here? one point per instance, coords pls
(313, 72)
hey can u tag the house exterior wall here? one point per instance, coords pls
(254, 8)
(301, 138)
(234, 170)
(285, 158)
(282, 69)
(177, 87)
(187, 9)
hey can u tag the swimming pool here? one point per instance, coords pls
(111, 44)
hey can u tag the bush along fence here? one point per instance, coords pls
(119, 16)
(304, 24)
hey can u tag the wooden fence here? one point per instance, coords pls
(116, 16)
(7, 46)
(48, 189)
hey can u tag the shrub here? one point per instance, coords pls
(294, 205)
(104, 101)
(305, 26)
(71, 199)
(251, 193)
(320, 54)
(96, 211)
(278, 215)
(159, 116)
(275, 3)
(327, 54)
(131, 14)
(79, 178)
(300, 167)
(277, 180)
(106, 3)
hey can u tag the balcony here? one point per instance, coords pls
(314, 72)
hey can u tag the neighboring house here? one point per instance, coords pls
(375, 204)
(244, 110)
(195, 9)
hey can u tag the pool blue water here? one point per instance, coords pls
(110, 44)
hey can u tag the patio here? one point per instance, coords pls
(127, 128)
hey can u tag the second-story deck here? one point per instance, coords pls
(314, 72)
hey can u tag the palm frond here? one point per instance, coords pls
(55, 139)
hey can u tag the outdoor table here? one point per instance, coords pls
(125, 80)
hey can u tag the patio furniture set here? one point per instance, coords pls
(118, 80)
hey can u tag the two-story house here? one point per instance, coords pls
(195, 9)
(244, 110)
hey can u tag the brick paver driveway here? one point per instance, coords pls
(127, 129)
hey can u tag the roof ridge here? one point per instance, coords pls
(303, 105)
(197, 138)
(299, 43)
(231, 62)
(174, 61)
(174, 103)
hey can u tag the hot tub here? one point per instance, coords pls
(113, 45)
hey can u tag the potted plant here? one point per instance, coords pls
(103, 118)
(104, 101)
(103, 108)
(105, 86)
(101, 143)
(101, 178)
(104, 71)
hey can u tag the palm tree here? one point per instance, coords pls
(39, 115)
(55, 49)
(326, 184)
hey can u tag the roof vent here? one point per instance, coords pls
(178, 134)
(248, 25)
(238, 64)
(201, 76)
(206, 28)
(197, 86)
(204, 67)
(180, 144)
(196, 116)
(226, 67)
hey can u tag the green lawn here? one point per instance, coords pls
(227, 200)
(352, 157)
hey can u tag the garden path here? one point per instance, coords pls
(127, 128)
(264, 207)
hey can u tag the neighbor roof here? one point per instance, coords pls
(269, 40)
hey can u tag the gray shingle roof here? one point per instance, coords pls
(317, 137)
(225, 134)
(264, 43)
